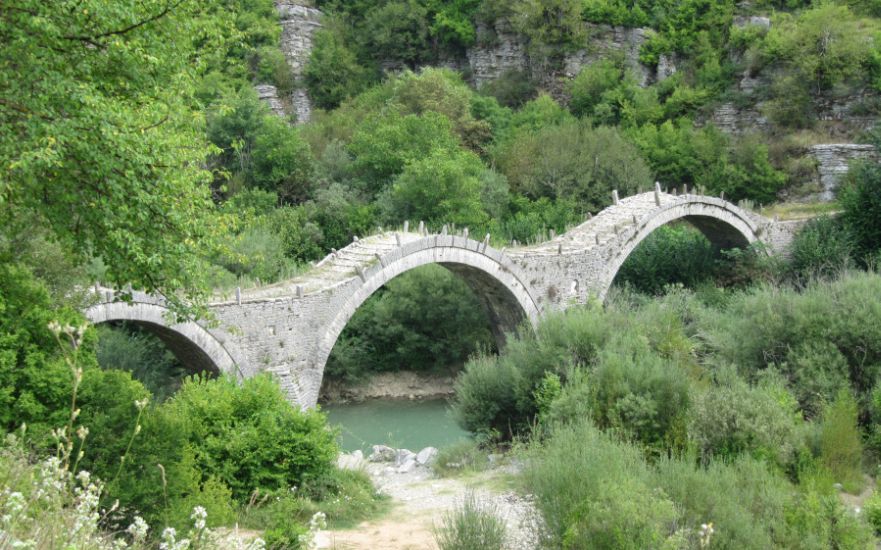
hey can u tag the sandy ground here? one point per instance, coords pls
(419, 501)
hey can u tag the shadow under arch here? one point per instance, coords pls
(491, 275)
(725, 225)
(190, 342)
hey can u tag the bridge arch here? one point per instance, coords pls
(495, 279)
(722, 223)
(190, 342)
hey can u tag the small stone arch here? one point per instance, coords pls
(722, 223)
(492, 275)
(190, 342)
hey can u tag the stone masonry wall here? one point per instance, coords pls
(832, 163)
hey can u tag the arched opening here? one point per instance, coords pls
(139, 337)
(407, 339)
(156, 356)
(689, 251)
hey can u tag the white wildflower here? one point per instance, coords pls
(138, 529)
(15, 503)
(199, 516)
(84, 478)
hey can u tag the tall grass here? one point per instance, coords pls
(473, 525)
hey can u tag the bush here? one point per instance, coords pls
(447, 188)
(573, 161)
(872, 509)
(761, 328)
(823, 248)
(250, 437)
(130, 348)
(595, 492)
(332, 73)
(344, 497)
(512, 88)
(486, 402)
(611, 95)
(460, 458)
(471, 526)
(860, 199)
(217, 443)
(673, 254)
(640, 395)
(733, 418)
(841, 448)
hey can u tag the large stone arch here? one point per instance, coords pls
(724, 224)
(190, 342)
(492, 275)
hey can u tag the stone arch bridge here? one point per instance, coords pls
(290, 328)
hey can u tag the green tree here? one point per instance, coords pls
(574, 160)
(826, 44)
(333, 73)
(861, 200)
(102, 141)
(446, 188)
(282, 161)
(384, 145)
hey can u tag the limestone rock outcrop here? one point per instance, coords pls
(298, 25)
(833, 161)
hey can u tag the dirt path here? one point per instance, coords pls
(419, 501)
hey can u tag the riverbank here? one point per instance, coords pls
(389, 385)
(419, 500)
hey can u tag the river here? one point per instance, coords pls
(397, 423)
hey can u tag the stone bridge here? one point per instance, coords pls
(290, 328)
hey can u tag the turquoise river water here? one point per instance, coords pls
(397, 423)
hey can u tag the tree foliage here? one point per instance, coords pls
(103, 141)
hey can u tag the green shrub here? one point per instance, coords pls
(860, 199)
(611, 95)
(673, 254)
(762, 327)
(823, 248)
(573, 161)
(841, 448)
(473, 525)
(595, 492)
(872, 509)
(249, 436)
(512, 88)
(734, 418)
(460, 458)
(640, 395)
(130, 348)
(345, 497)
(332, 73)
(214, 440)
(486, 402)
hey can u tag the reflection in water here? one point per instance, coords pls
(397, 423)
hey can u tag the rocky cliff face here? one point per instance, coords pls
(298, 24)
(500, 49)
(507, 51)
(608, 42)
(491, 58)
